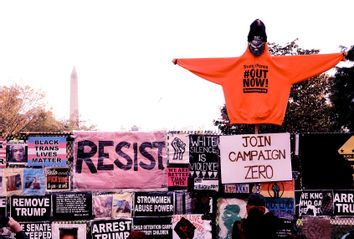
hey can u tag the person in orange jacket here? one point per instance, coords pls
(257, 85)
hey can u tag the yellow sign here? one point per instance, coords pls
(347, 149)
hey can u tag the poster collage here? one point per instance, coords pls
(168, 184)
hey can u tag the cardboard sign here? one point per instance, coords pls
(255, 158)
(47, 151)
(30, 208)
(119, 228)
(125, 160)
(72, 205)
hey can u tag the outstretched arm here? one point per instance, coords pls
(211, 69)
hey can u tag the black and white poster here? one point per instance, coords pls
(204, 156)
(30, 208)
(154, 227)
(119, 228)
(316, 203)
(153, 204)
(3, 203)
(72, 206)
(344, 202)
(36, 230)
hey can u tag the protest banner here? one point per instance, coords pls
(154, 227)
(316, 202)
(111, 229)
(13, 181)
(102, 205)
(57, 179)
(34, 181)
(30, 208)
(153, 204)
(204, 156)
(229, 211)
(122, 205)
(125, 160)
(36, 230)
(255, 158)
(75, 230)
(72, 206)
(343, 202)
(178, 148)
(177, 177)
(190, 226)
(2, 152)
(47, 151)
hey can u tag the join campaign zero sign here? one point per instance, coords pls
(255, 158)
(111, 160)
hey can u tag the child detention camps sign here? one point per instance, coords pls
(255, 158)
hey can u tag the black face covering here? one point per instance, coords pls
(256, 46)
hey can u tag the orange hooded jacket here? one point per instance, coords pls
(256, 89)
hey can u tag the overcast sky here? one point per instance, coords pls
(122, 51)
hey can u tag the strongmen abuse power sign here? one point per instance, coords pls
(255, 158)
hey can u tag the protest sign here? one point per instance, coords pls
(75, 230)
(153, 204)
(34, 181)
(111, 229)
(154, 227)
(316, 202)
(281, 207)
(13, 181)
(229, 211)
(204, 161)
(35, 230)
(191, 226)
(122, 205)
(178, 148)
(102, 205)
(125, 160)
(255, 158)
(177, 177)
(72, 206)
(47, 151)
(30, 208)
(344, 202)
(57, 179)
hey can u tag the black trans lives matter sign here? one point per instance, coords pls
(30, 208)
(204, 156)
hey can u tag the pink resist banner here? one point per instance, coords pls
(111, 160)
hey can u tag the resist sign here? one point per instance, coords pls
(255, 158)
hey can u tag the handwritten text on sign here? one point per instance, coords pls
(255, 158)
